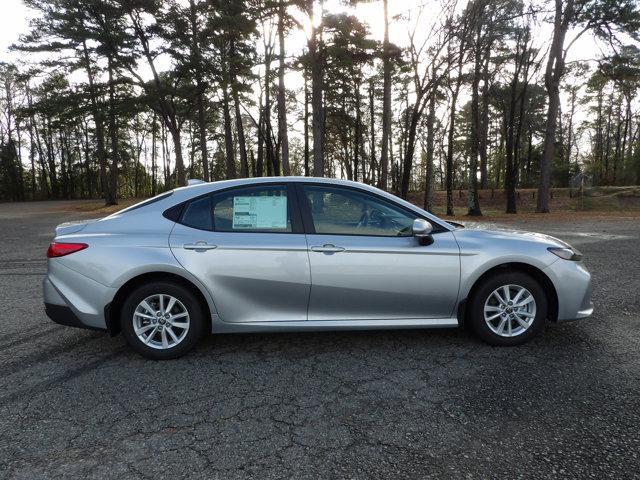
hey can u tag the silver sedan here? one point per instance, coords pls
(290, 254)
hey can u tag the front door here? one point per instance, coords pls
(248, 247)
(366, 264)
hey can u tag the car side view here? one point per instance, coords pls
(299, 253)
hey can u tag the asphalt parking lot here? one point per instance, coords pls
(407, 404)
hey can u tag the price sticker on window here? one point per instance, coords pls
(260, 213)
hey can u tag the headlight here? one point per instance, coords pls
(566, 253)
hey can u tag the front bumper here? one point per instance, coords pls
(73, 299)
(572, 282)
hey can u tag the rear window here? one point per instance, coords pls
(146, 202)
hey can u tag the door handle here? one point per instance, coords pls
(199, 246)
(328, 248)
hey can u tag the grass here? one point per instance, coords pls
(604, 202)
(98, 206)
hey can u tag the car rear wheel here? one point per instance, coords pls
(508, 309)
(162, 320)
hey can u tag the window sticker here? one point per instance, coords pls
(264, 212)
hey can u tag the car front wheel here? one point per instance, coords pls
(508, 309)
(162, 320)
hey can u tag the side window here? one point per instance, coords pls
(341, 211)
(197, 214)
(263, 208)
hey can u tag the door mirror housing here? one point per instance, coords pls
(422, 231)
(421, 228)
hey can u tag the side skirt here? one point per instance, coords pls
(329, 325)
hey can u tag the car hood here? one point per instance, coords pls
(488, 234)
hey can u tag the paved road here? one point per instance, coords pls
(411, 404)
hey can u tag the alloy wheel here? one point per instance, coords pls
(510, 310)
(161, 321)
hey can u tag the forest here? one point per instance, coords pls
(114, 99)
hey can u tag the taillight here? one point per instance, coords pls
(61, 249)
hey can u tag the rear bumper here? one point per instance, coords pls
(63, 315)
(73, 299)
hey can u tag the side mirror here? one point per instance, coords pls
(422, 231)
(421, 228)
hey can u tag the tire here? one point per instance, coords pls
(506, 326)
(172, 335)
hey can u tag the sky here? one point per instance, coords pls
(13, 22)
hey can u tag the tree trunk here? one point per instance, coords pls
(154, 167)
(20, 167)
(97, 114)
(200, 85)
(598, 147)
(230, 160)
(44, 186)
(260, 160)
(428, 184)
(53, 178)
(307, 152)
(451, 139)
(357, 146)
(544, 186)
(616, 157)
(273, 166)
(410, 144)
(165, 154)
(32, 143)
(570, 139)
(283, 136)
(529, 154)
(166, 107)
(317, 101)
(113, 138)
(607, 144)
(64, 180)
(84, 128)
(553, 74)
(372, 119)
(484, 122)
(513, 132)
(386, 102)
(473, 203)
(242, 143)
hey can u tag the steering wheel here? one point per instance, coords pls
(365, 218)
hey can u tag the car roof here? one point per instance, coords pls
(205, 186)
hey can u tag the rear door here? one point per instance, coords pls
(365, 262)
(247, 246)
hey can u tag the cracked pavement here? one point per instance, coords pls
(403, 404)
